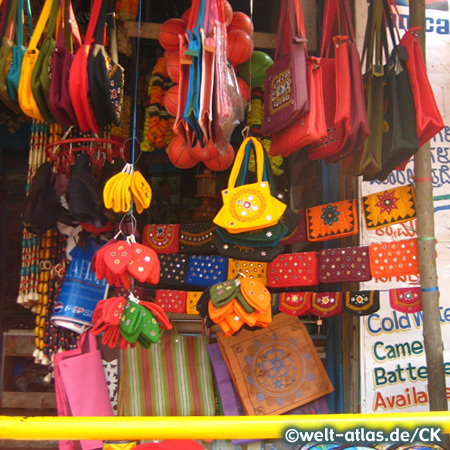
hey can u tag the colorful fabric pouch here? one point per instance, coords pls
(162, 238)
(326, 304)
(394, 259)
(299, 233)
(191, 302)
(294, 269)
(389, 207)
(406, 300)
(331, 221)
(361, 303)
(250, 269)
(340, 265)
(171, 300)
(173, 269)
(206, 270)
(196, 238)
(295, 303)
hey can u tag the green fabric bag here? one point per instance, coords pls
(171, 378)
(40, 78)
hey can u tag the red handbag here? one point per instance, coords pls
(78, 77)
(326, 304)
(285, 86)
(336, 86)
(428, 118)
(295, 303)
(310, 127)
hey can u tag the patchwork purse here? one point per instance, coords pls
(161, 237)
(331, 221)
(294, 269)
(206, 270)
(192, 299)
(173, 269)
(250, 269)
(295, 303)
(394, 259)
(395, 205)
(197, 238)
(406, 300)
(326, 304)
(340, 265)
(171, 300)
(361, 303)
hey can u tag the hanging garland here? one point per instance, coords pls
(158, 126)
(254, 120)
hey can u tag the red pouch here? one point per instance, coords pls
(294, 269)
(326, 304)
(406, 300)
(163, 238)
(295, 303)
(171, 300)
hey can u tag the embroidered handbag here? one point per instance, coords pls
(27, 101)
(361, 303)
(206, 270)
(62, 58)
(332, 221)
(286, 91)
(250, 269)
(163, 381)
(269, 367)
(295, 303)
(173, 269)
(326, 304)
(394, 259)
(294, 269)
(78, 77)
(161, 237)
(250, 206)
(192, 299)
(197, 238)
(106, 75)
(171, 300)
(392, 206)
(407, 300)
(341, 265)
(40, 77)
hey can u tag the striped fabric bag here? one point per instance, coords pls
(171, 378)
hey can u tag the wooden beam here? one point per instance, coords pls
(150, 30)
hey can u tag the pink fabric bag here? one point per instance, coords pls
(80, 386)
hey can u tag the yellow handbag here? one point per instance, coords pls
(250, 206)
(250, 269)
(191, 301)
(27, 102)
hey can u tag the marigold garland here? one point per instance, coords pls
(158, 125)
(254, 120)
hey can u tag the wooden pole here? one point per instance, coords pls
(427, 252)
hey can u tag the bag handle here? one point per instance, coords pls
(40, 26)
(51, 24)
(328, 24)
(20, 12)
(240, 157)
(69, 33)
(5, 9)
(87, 342)
(9, 25)
(88, 38)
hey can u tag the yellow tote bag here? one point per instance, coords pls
(27, 102)
(250, 206)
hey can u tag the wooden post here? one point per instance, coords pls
(427, 252)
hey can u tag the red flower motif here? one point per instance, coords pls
(387, 202)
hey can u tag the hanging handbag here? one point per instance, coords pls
(294, 269)
(299, 233)
(394, 259)
(87, 399)
(106, 75)
(399, 119)
(250, 206)
(361, 303)
(406, 300)
(368, 159)
(206, 270)
(173, 269)
(27, 101)
(428, 118)
(295, 303)
(342, 265)
(164, 381)
(197, 238)
(163, 238)
(171, 300)
(326, 304)
(58, 96)
(249, 269)
(332, 221)
(311, 126)
(78, 77)
(286, 92)
(396, 205)
(12, 80)
(40, 77)
(268, 367)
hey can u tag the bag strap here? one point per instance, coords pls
(347, 20)
(328, 25)
(51, 25)
(111, 26)
(240, 157)
(9, 25)
(5, 8)
(42, 22)
(95, 12)
(20, 12)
